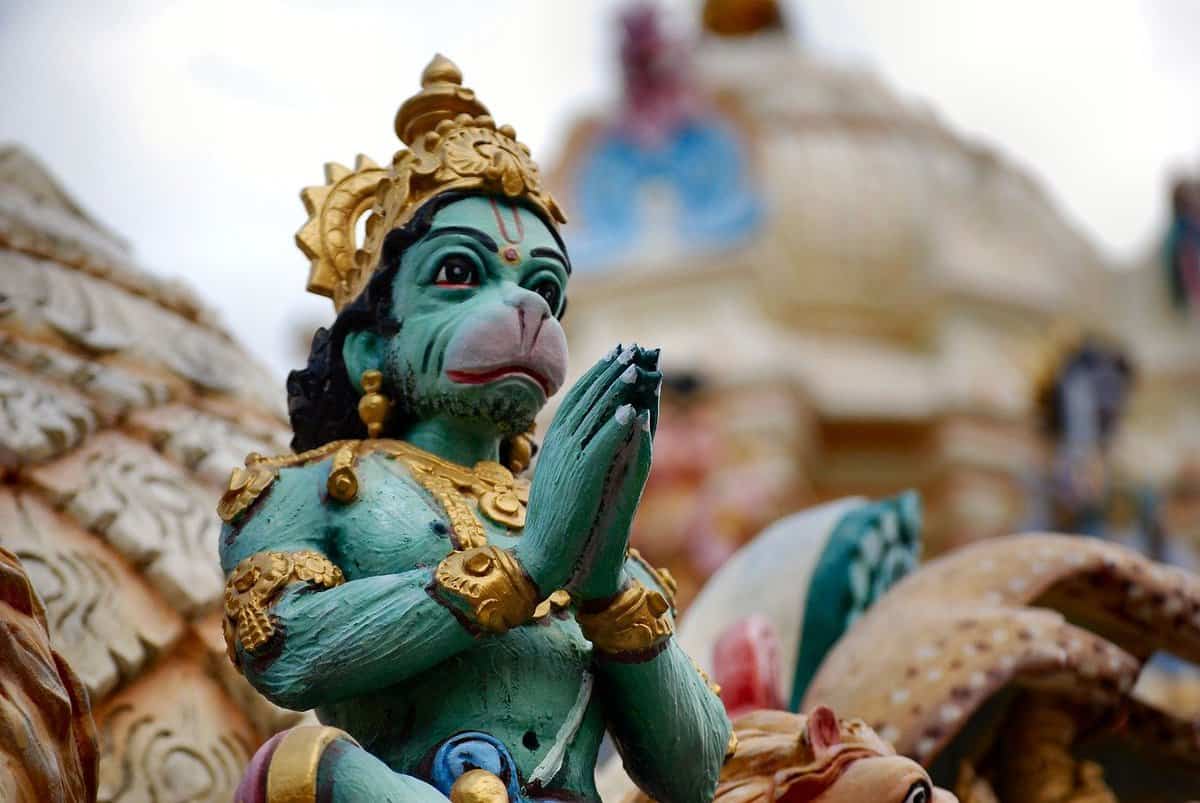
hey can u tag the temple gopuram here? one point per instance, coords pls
(853, 298)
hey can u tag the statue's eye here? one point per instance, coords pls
(456, 271)
(919, 793)
(551, 292)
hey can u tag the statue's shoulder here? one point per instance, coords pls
(251, 484)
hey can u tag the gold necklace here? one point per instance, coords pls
(498, 495)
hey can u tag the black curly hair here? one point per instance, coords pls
(322, 402)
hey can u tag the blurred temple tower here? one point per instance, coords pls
(123, 406)
(851, 297)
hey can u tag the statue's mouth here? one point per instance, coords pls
(485, 376)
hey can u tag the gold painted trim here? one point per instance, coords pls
(342, 484)
(557, 601)
(246, 484)
(499, 495)
(292, 775)
(478, 786)
(663, 577)
(257, 582)
(636, 620)
(492, 584)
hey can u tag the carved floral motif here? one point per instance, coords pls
(105, 621)
(149, 509)
(172, 736)
(38, 420)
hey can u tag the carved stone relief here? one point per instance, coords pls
(106, 622)
(38, 420)
(171, 737)
(156, 516)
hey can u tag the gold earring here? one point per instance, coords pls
(373, 407)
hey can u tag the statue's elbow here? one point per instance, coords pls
(285, 681)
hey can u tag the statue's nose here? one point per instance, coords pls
(532, 312)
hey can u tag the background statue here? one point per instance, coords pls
(817, 758)
(1008, 668)
(1183, 246)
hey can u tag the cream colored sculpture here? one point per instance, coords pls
(122, 405)
(1009, 668)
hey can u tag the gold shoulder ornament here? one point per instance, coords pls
(247, 483)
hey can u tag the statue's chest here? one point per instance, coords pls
(395, 524)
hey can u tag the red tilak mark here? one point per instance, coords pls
(516, 213)
(510, 254)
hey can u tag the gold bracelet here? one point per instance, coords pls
(633, 622)
(490, 583)
(257, 582)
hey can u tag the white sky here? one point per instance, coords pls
(190, 127)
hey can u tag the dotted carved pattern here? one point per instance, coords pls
(122, 405)
(999, 614)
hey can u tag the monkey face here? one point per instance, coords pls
(477, 300)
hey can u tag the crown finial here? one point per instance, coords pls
(442, 97)
(441, 70)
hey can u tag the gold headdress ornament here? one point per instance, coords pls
(453, 144)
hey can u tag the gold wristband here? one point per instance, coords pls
(491, 584)
(634, 621)
(255, 585)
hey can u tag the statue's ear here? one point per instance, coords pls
(361, 351)
(823, 730)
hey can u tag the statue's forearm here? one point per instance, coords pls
(361, 636)
(668, 725)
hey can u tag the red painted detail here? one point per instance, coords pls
(823, 731)
(500, 224)
(746, 666)
(492, 374)
(511, 254)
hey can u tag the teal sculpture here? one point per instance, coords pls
(463, 633)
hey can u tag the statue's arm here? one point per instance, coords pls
(667, 723)
(331, 641)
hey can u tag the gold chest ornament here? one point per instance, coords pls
(498, 495)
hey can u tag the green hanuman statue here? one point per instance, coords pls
(463, 633)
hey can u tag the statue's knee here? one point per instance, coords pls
(287, 766)
(316, 764)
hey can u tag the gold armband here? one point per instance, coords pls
(490, 583)
(255, 585)
(634, 621)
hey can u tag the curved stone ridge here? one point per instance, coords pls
(122, 405)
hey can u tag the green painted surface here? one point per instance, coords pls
(378, 656)
(870, 549)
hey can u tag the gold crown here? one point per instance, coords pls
(453, 144)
